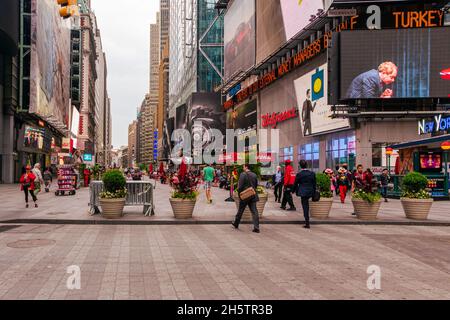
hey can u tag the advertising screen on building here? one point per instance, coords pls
(34, 138)
(279, 20)
(297, 14)
(50, 63)
(205, 113)
(239, 38)
(384, 64)
(312, 98)
(431, 161)
(244, 118)
(181, 117)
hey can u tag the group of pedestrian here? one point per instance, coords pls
(303, 184)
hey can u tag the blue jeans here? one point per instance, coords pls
(384, 190)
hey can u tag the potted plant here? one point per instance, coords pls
(416, 200)
(321, 209)
(366, 204)
(112, 200)
(185, 193)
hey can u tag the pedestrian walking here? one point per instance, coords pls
(39, 180)
(27, 183)
(289, 180)
(343, 184)
(208, 179)
(331, 175)
(305, 186)
(247, 186)
(48, 179)
(385, 179)
(277, 179)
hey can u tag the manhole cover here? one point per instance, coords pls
(33, 243)
(56, 213)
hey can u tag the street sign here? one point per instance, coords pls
(87, 157)
(342, 12)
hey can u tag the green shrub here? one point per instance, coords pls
(324, 185)
(414, 186)
(370, 197)
(414, 182)
(114, 184)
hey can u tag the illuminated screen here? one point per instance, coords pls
(431, 161)
(385, 64)
(240, 46)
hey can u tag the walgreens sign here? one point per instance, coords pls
(272, 120)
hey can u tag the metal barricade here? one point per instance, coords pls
(140, 193)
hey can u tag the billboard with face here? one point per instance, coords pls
(239, 38)
(312, 98)
(386, 64)
(50, 63)
(205, 113)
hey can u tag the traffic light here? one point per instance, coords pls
(68, 9)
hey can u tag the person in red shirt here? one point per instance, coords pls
(87, 176)
(289, 181)
(27, 185)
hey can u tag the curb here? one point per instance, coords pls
(197, 222)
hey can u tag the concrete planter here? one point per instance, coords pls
(321, 210)
(417, 209)
(112, 208)
(365, 210)
(182, 209)
(260, 205)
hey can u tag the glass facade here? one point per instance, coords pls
(286, 154)
(192, 44)
(341, 148)
(210, 46)
(311, 153)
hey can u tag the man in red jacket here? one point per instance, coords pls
(27, 185)
(289, 181)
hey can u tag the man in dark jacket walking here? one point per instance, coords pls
(248, 179)
(305, 186)
(278, 179)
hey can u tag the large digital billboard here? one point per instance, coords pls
(297, 14)
(244, 118)
(205, 113)
(239, 37)
(50, 63)
(280, 20)
(312, 98)
(389, 64)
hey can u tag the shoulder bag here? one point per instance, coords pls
(248, 193)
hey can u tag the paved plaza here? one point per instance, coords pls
(209, 260)
(75, 209)
(217, 262)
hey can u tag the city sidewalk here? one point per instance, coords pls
(75, 210)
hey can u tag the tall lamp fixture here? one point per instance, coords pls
(389, 153)
(445, 146)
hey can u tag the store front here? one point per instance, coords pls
(428, 156)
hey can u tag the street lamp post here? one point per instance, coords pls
(446, 147)
(389, 153)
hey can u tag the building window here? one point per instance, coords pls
(286, 154)
(341, 149)
(311, 153)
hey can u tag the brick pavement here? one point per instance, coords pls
(75, 208)
(216, 262)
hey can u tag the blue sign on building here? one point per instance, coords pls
(155, 145)
(87, 157)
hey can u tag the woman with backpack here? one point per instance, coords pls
(28, 186)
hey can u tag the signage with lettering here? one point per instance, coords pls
(372, 18)
(440, 123)
(272, 120)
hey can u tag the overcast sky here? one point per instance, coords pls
(125, 30)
